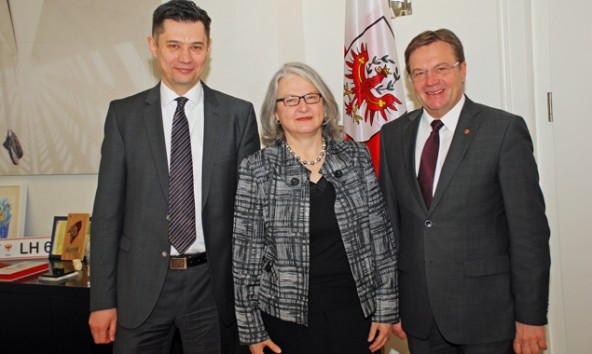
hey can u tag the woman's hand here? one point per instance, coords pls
(379, 335)
(258, 348)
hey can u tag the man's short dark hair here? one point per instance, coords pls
(429, 37)
(180, 11)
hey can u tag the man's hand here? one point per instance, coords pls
(529, 339)
(398, 331)
(102, 325)
(258, 348)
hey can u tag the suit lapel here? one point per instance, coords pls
(212, 137)
(466, 130)
(155, 133)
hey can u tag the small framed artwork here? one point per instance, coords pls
(74, 243)
(57, 237)
(13, 207)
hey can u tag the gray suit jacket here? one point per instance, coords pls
(478, 260)
(130, 246)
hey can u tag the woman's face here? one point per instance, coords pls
(303, 119)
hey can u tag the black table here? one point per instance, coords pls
(39, 317)
(45, 318)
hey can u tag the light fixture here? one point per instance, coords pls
(400, 8)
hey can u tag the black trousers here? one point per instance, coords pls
(435, 343)
(338, 331)
(186, 304)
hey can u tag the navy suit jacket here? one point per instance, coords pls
(478, 260)
(130, 245)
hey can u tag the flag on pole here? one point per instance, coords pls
(373, 91)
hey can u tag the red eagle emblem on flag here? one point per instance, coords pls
(368, 84)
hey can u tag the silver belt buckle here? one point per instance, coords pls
(178, 263)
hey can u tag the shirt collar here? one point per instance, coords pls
(451, 118)
(168, 96)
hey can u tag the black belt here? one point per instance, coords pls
(188, 260)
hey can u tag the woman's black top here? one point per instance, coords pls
(331, 285)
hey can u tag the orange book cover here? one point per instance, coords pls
(15, 271)
(75, 239)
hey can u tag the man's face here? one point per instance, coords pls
(181, 51)
(437, 93)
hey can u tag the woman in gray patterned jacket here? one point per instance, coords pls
(314, 258)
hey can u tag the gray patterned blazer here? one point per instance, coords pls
(271, 236)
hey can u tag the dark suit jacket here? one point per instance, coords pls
(130, 246)
(478, 260)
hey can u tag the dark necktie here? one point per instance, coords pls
(427, 165)
(181, 197)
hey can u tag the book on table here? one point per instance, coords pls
(19, 270)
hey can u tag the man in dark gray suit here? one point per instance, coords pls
(469, 214)
(143, 288)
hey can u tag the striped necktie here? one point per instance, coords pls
(181, 196)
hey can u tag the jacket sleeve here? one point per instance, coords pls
(107, 218)
(248, 248)
(383, 249)
(385, 181)
(529, 230)
(249, 143)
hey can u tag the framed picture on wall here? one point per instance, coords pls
(13, 207)
(57, 236)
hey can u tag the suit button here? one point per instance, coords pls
(294, 181)
(165, 254)
(268, 267)
(428, 223)
(168, 217)
(338, 174)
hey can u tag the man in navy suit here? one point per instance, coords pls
(143, 288)
(474, 240)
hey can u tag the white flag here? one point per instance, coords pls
(373, 89)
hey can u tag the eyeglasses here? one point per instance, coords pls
(438, 71)
(309, 98)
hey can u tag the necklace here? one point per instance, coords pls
(313, 162)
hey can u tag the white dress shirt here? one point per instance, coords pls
(194, 110)
(450, 121)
